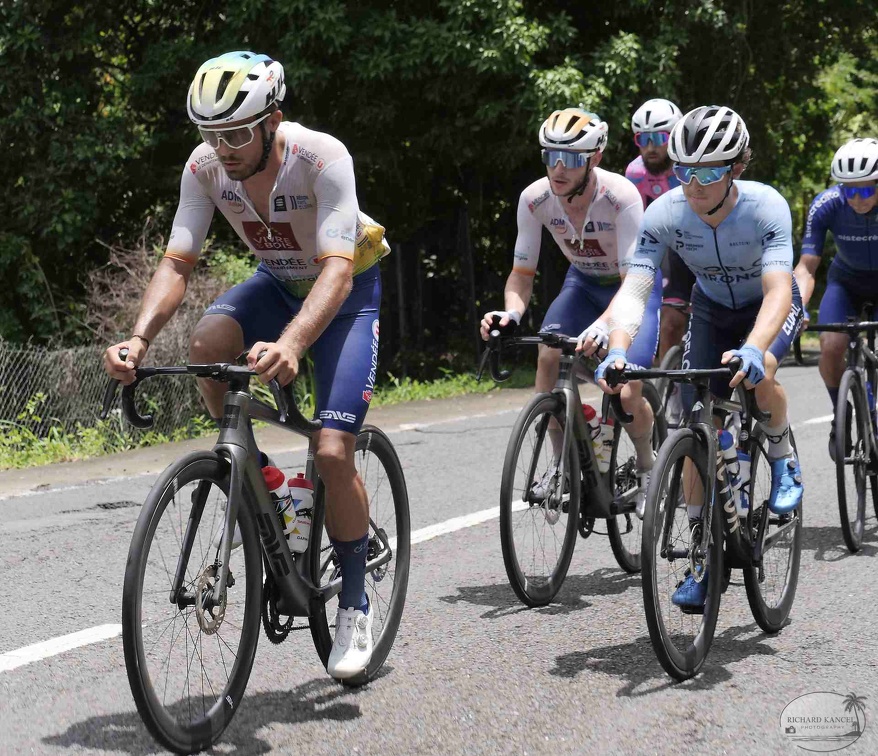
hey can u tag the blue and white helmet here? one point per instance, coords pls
(234, 87)
(856, 160)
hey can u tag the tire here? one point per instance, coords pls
(624, 530)
(670, 393)
(528, 524)
(851, 461)
(381, 472)
(771, 586)
(681, 641)
(206, 699)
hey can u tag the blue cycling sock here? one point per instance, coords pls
(833, 396)
(352, 561)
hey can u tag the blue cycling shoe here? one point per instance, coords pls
(786, 485)
(690, 596)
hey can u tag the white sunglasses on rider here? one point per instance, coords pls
(235, 138)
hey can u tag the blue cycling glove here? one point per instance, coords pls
(614, 354)
(752, 362)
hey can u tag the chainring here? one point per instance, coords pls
(275, 630)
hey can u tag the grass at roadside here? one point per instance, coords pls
(20, 447)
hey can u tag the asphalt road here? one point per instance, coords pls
(472, 671)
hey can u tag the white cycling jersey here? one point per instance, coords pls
(313, 212)
(601, 247)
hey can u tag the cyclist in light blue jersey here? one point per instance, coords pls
(736, 237)
(850, 211)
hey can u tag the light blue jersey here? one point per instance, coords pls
(728, 261)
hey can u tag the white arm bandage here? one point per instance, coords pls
(629, 304)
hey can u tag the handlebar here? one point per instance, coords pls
(615, 377)
(497, 341)
(855, 327)
(288, 411)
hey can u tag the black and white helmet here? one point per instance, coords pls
(655, 115)
(574, 129)
(708, 134)
(856, 160)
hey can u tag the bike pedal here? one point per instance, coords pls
(692, 609)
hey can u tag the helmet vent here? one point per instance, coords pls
(223, 83)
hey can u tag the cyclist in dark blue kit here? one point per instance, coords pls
(850, 211)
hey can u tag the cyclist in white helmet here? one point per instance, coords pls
(289, 193)
(736, 237)
(652, 173)
(850, 211)
(593, 216)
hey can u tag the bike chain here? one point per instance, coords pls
(275, 630)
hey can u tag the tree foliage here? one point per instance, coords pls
(439, 102)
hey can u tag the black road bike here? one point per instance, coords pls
(547, 495)
(854, 434)
(765, 546)
(209, 563)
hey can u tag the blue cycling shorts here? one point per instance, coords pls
(846, 292)
(346, 353)
(714, 329)
(582, 301)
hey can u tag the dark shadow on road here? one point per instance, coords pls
(637, 665)
(603, 582)
(828, 545)
(319, 699)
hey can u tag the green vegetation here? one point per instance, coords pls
(439, 104)
(21, 447)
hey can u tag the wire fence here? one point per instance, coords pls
(44, 388)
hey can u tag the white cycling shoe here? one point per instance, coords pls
(352, 647)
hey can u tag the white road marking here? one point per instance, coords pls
(56, 646)
(457, 523)
(816, 420)
(38, 651)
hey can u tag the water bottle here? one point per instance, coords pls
(743, 483)
(730, 457)
(302, 492)
(602, 452)
(594, 425)
(280, 494)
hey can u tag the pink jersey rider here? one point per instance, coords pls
(651, 186)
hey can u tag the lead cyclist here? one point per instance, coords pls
(593, 216)
(289, 193)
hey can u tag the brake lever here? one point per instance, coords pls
(615, 377)
(279, 399)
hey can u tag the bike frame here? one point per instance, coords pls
(863, 362)
(600, 499)
(236, 444)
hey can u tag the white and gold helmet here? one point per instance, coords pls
(575, 130)
(234, 87)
